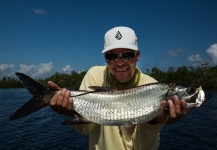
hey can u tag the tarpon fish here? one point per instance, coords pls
(111, 107)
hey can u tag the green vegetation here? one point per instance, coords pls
(70, 81)
(204, 75)
(8, 82)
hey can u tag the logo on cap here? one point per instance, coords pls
(118, 36)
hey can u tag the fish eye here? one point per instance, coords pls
(191, 90)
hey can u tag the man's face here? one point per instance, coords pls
(121, 70)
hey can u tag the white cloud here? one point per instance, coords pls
(174, 53)
(5, 67)
(212, 51)
(39, 11)
(81, 71)
(6, 70)
(195, 58)
(37, 71)
(67, 69)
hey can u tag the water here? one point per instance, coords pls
(43, 129)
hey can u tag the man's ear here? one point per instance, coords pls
(138, 55)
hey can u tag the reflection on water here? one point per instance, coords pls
(43, 129)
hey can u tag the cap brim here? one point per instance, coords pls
(119, 46)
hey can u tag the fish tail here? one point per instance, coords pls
(38, 101)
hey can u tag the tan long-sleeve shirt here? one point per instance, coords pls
(145, 136)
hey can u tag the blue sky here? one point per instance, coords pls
(41, 37)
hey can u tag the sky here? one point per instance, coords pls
(42, 37)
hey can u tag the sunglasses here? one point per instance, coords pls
(125, 56)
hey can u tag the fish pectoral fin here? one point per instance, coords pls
(101, 88)
(75, 119)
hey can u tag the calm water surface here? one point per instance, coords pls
(43, 129)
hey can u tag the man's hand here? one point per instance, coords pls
(177, 109)
(61, 102)
(171, 111)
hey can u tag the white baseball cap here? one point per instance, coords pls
(120, 37)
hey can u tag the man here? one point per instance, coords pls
(121, 55)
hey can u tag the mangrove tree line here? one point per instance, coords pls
(203, 75)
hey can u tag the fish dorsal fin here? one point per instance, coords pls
(101, 88)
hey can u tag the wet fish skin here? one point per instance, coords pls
(123, 107)
(132, 106)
